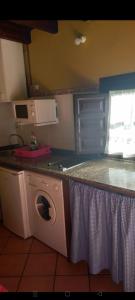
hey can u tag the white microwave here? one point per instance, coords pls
(35, 111)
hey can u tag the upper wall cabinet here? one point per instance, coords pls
(12, 71)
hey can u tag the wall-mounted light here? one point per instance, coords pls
(80, 39)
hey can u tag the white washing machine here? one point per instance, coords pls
(46, 211)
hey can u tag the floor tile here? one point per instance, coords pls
(3, 242)
(40, 264)
(4, 232)
(39, 247)
(12, 264)
(104, 283)
(17, 245)
(39, 284)
(64, 267)
(10, 283)
(71, 284)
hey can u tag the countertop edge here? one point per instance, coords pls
(67, 177)
(107, 187)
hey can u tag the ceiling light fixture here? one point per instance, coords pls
(80, 39)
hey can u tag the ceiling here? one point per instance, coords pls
(20, 30)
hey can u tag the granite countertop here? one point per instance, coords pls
(110, 174)
(39, 165)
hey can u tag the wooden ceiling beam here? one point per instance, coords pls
(50, 26)
(20, 30)
(14, 32)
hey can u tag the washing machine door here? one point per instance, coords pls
(47, 218)
(44, 207)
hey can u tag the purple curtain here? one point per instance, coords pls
(103, 232)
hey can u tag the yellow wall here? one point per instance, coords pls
(56, 62)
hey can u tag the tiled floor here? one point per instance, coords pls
(29, 265)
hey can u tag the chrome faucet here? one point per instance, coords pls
(17, 135)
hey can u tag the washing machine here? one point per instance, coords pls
(46, 211)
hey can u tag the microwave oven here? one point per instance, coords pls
(35, 111)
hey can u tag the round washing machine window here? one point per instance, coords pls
(45, 207)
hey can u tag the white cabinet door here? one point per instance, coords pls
(12, 71)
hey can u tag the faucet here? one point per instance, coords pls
(17, 135)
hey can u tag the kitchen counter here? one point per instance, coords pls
(39, 165)
(109, 174)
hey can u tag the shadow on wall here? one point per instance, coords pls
(80, 82)
(77, 82)
(37, 89)
(7, 123)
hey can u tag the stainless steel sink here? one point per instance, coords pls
(65, 164)
(7, 153)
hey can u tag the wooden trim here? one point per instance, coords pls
(50, 26)
(95, 147)
(117, 82)
(16, 33)
(27, 69)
